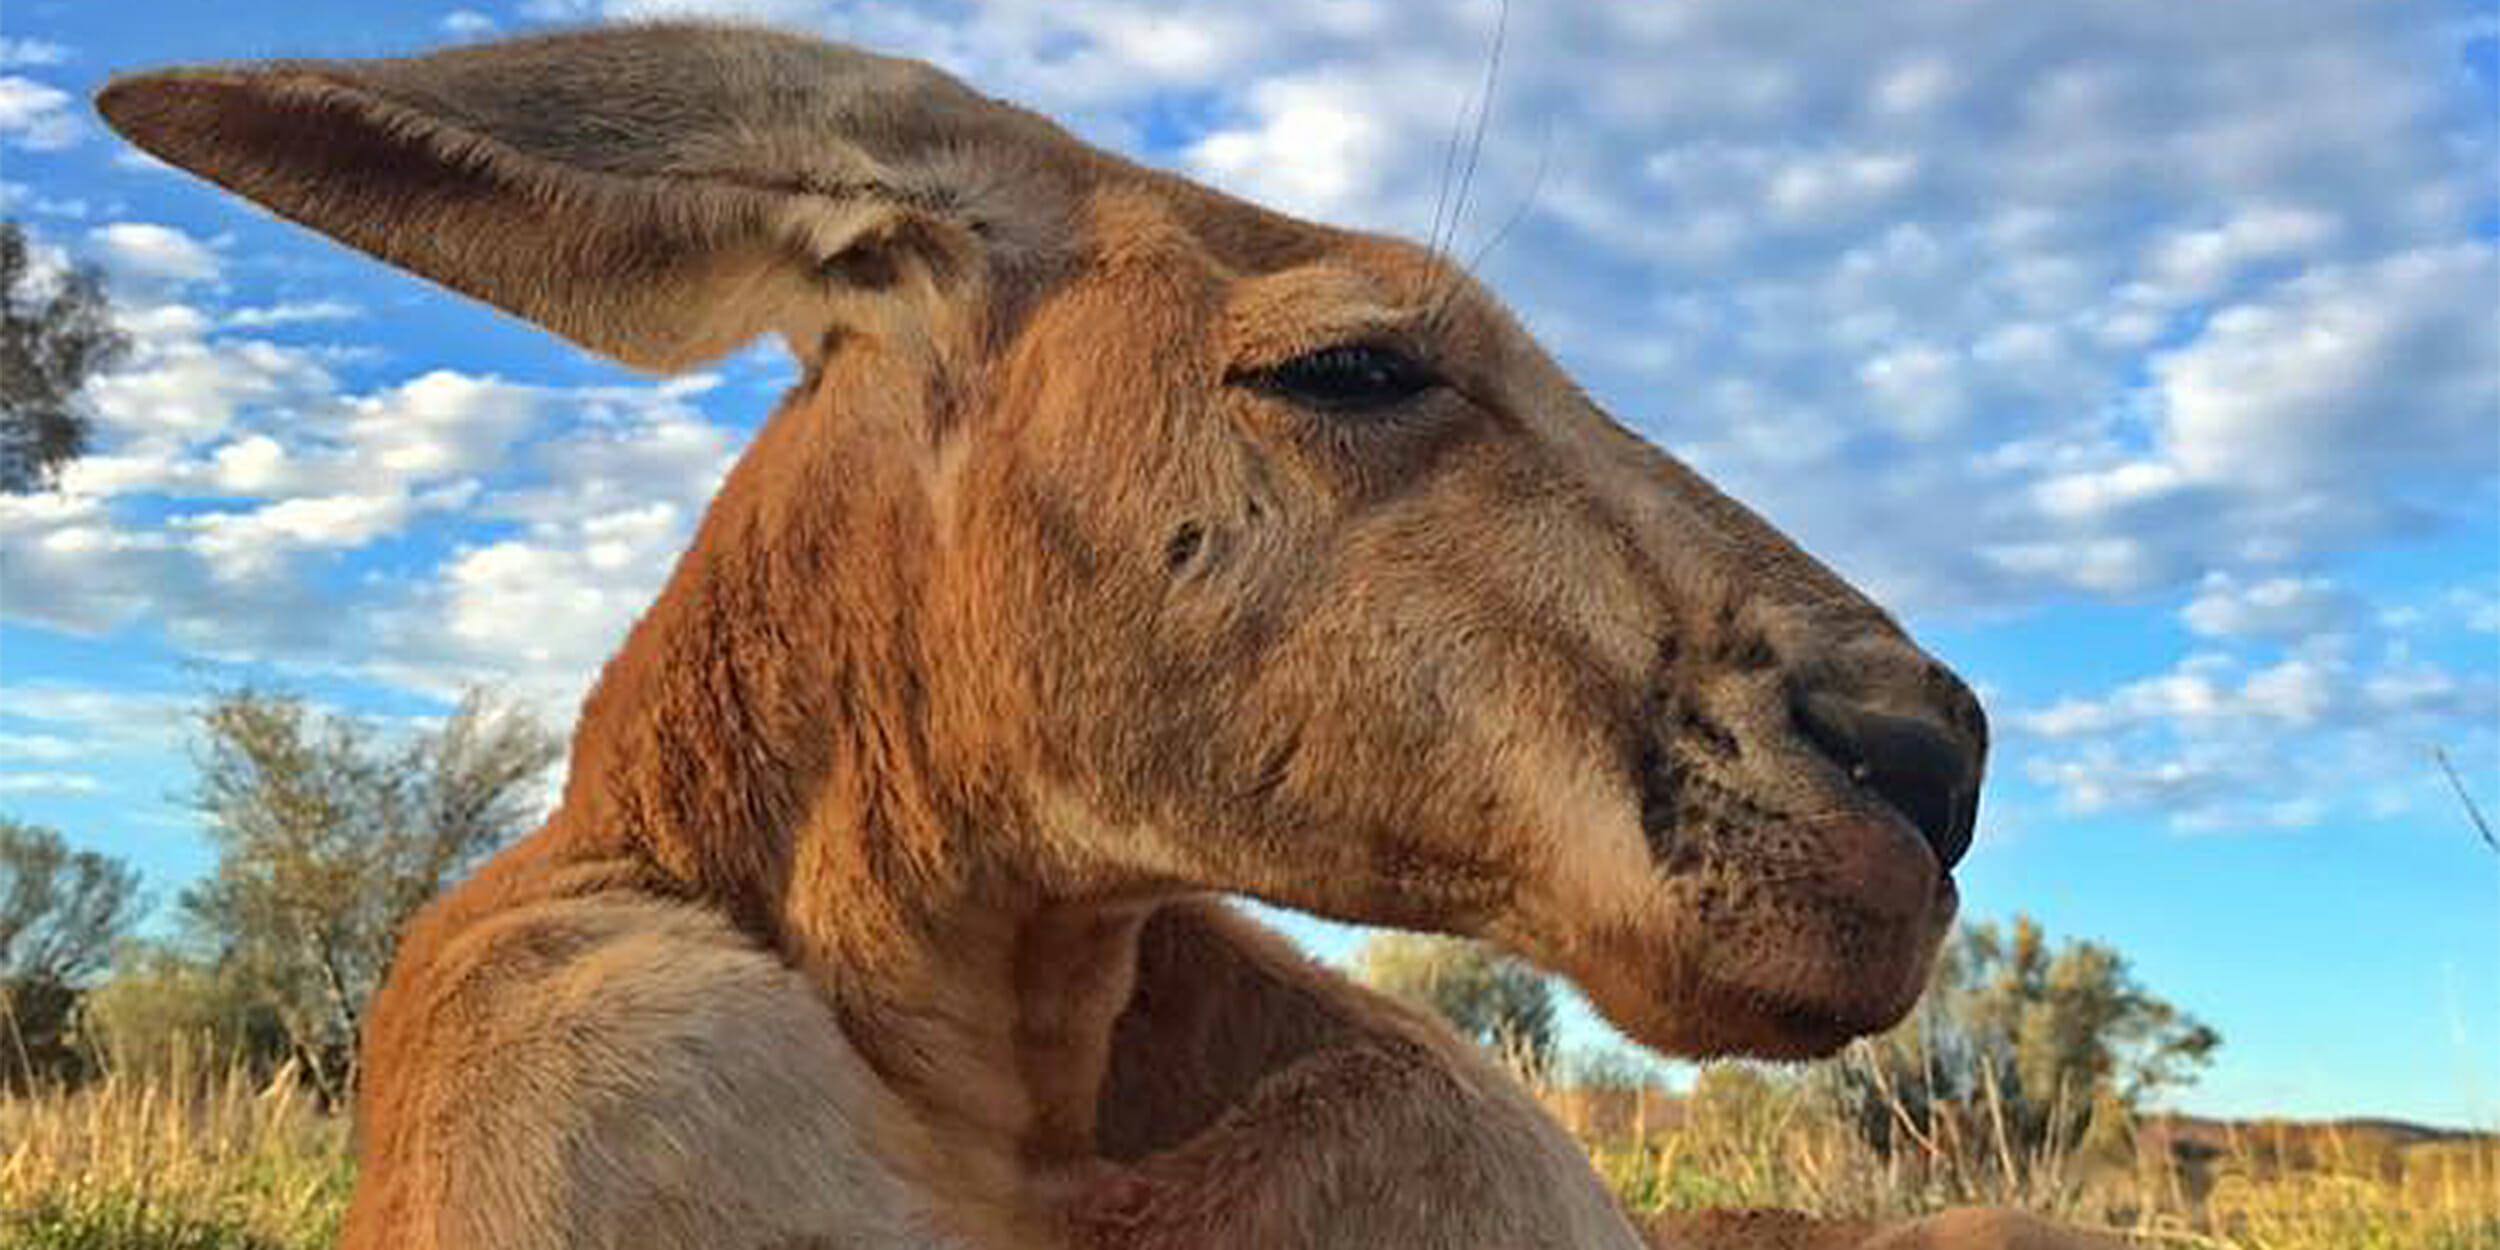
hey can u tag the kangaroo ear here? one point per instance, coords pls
(659, 194)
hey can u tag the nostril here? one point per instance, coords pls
(1913, 764)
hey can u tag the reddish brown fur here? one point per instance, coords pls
(877, 908)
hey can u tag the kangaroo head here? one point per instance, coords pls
(1151, 541)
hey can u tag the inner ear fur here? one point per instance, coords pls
(658, 194)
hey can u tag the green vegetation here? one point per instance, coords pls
(61, 911)
(2023, 1080)
(329, 839)
(181, 1091)
(195, 1155)
(2019, 1050)
(56, 333)
(1489, 997)
(1749, 1137)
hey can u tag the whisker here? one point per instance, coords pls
(1475, 142)
(1449, 168)
(1536, 184)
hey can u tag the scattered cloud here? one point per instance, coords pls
(468, 24)
(617, 499)
(292, 313)
(2226, 740)
(152, 253)
(2283, 609)
(94, 719)
(2478, 607)
(39, 748)
(30, 52)
(237, 474)
(1991, 306)
(12, 782)
(2342, 377)
(1315, 146)
(18, 197)
(36, 117)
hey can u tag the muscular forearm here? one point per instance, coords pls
(1258, 1100)
(1378, 1143)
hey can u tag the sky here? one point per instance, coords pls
(2143, 355)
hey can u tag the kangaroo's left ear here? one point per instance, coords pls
(659, 194)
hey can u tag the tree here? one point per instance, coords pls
(1498, 1001)
(54, 336)
(61, 911)
(329, 839)
(2059, 1046)
(164, 1004)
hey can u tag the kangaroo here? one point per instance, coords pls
(1123, 546)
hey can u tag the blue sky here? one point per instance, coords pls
(2144, 355)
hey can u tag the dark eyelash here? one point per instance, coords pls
(1346, 378)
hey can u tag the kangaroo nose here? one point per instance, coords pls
(1925, 770)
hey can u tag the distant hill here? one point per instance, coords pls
(2373, 1132)
(2199, 1148)
(2396, 1151)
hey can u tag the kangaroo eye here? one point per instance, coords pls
(1347, 378)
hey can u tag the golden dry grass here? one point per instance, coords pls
(203, 1157)
(2264, 1187)
(196, 1156)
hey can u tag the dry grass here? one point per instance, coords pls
(202, 1157)
(2261, 1187)
(194, 1156)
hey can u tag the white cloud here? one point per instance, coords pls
(233, 471)
(2478, 608)
(35, 116)
(40, 748)
(48, 783)
(236, 475)
(148, 251)
(620, 494)
(2222, 742)
(2197, 262)
(1313, 146)
(1913, 86)
(2284, 609)
(22, 52)
(467, 24)
(2343, 375)
(2099, 780)
(2421, 689)
(1916, 389)
(181, 384)
(297, 312)
(2296, 691)
(18, 197)
(2101, 492)
(440, 424)
(97, 720)
(1820, 187)
(256, 542)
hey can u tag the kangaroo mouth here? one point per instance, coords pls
(1788, 907)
